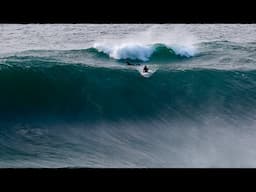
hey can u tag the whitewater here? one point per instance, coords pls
(69, 99)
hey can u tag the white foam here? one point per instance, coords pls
(126, 51)
(187, 51)
(140, 45)
(139, 51)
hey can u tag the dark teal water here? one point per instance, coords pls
(87, 108)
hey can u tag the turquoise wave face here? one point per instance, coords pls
(91, 94)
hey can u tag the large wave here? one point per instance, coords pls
(88, 93)
(144, 52)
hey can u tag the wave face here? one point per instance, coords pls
(83, 106)
(94, 94)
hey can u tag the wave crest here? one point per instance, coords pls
(136, 51)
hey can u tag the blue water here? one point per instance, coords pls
(68, 98)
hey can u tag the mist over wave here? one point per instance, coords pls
(142, 45)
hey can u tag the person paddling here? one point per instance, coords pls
(128, 63)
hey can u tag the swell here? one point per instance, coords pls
(88, 94)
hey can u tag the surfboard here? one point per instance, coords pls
(147, 74)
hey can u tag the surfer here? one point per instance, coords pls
(145, 69)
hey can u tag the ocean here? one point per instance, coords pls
(69, 99)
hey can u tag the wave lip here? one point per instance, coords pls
(136, 51)
(126, 51)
